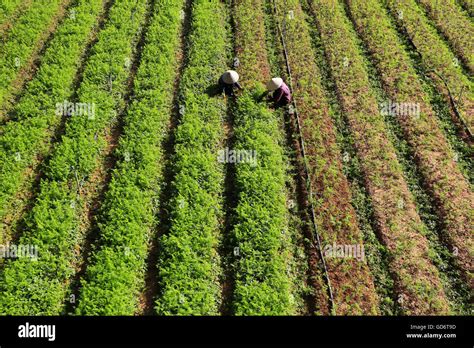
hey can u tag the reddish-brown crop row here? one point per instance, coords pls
(455, 25)
(436, 160)
(350, 277)
(400, 228)
(436, 55)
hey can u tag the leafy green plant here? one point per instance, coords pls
(7, 8)
(116, 270)
(189, 265)
(34, 118)
(35, 287)
(19, 44)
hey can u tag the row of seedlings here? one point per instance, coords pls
(416, 280)
(442, 176)
(262, 284)
(19, 44)
(38, 113)
(436, 55)
(39, 286)
(116, 270)
(189, 264)
(455, 25)
(350, 277)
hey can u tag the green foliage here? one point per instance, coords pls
(116, 270)
(189, 264)
(39, 287)
(262, 286)
(34, 117)
(259, 221)
(7, 8)
(18, 46)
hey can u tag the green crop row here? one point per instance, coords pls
(336, 218)
(262, 285)
(449, 188)
(189, 265)
(33, 287)
(259, 222)
(435, 54)
(399, 226)
(20, 43)
(34, 117)
(116, 270)
(455, 25)
(7, 9)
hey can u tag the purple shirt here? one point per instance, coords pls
(282, 94)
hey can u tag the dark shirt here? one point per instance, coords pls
(228, 88)
(282, 96)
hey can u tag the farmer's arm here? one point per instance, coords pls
(238, 85)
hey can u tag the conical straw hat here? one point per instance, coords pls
(274, 84)
(230, 77)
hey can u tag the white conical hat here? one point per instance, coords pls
(230, 77)
(274, 84)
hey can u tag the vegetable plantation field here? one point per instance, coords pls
(130, 184)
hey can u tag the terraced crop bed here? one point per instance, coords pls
(131, 185)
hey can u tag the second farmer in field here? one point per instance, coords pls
(229, 81)
(281, 92)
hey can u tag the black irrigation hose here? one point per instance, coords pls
(453, 103)
(450, 95)
(317, 239)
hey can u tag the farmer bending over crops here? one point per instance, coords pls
(228, 81)
(281, 92)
